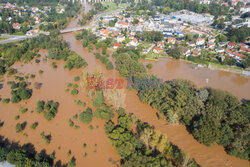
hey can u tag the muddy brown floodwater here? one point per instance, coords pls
(54, 82)
(205, 156)
(167, 69)
(64, 138)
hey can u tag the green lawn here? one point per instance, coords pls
(111, 6)
(18, 33)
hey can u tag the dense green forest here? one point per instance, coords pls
(143, 146)
(167, 6)
(211, 115)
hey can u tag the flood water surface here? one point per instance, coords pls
(168, 69)
(65, 138)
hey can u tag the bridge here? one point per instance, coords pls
(73, 29)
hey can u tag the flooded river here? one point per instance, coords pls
(65, 138)
(167, 69)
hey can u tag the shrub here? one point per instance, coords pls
(104, 112)
(46, 139)
(49, 109)
(74, 86)
(17, 117)
(86, 116)
(74, 92)
(4, 101)
(99, 99)
(77, 78)
(37, 61)
(78, 102)
(23, 110)
(34, 125)
(19, 127)
(69, 84)
(149, 66)
(12, 71)
(76, 127)
(32, 76)
(71, 123)
(72, 162)
(40, 71)
(75, 116)
(40, 106)
(54, 65)
(109, 65)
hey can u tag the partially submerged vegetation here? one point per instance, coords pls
(48, 109)
(144, 146)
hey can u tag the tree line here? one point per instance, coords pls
(144, 146)
(211, 115)
(20, 157)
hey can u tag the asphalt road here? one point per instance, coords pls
(13, 38)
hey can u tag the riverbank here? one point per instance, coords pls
(208, 65)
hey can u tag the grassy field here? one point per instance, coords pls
(18, 33)
(111, 6)
(3, 38)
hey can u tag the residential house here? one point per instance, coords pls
(222, 44)
(191, 43)
(35, 9)
(157, 50)
(117, 45)
(243, 45)
(237, 56)
(186, 51)
(231, 45)
(16, 26)
(140, 19)
(120, 38)
(200, 41)
(210, 45)
(243, 49)
(219, 50)
(171, 40)
(104, 32)
(160, 44)
(134, 42)
(37, 20)
(122, 24)
(131, 36)
(211, 39)
(196, 53)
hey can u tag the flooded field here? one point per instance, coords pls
(168, 69)
(63, 137)
(205, 156)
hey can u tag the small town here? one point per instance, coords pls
(192, 34)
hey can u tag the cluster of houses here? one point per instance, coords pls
(173, 29)
(20, 11)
